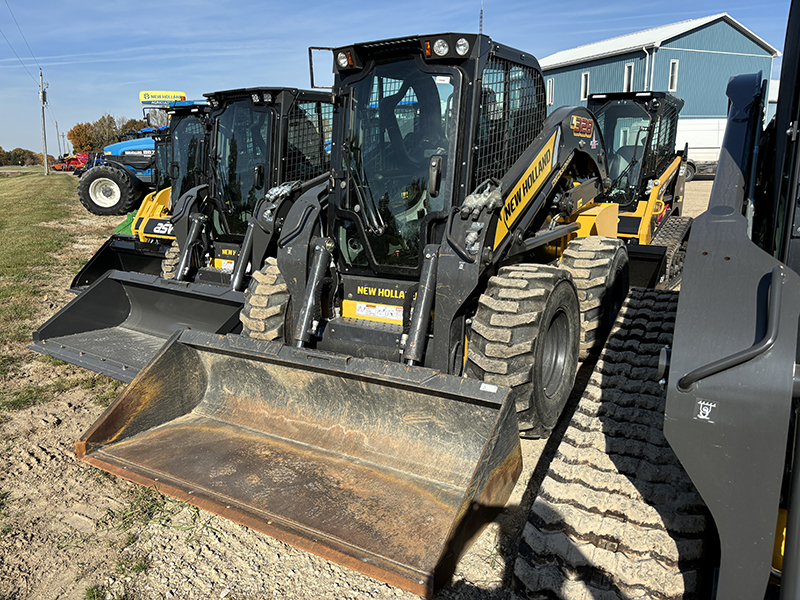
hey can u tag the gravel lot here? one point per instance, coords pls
(65, 527)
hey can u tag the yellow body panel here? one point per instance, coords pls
(654, 205)
(600, 219)
(780, 541)
(154, 206)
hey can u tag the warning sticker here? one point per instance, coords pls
(380, 311)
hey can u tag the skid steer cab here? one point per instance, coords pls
(234, 173)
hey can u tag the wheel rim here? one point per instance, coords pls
(555, 352)
(104, 192)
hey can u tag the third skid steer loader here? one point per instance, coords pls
(647, 180)
(424, 296)
(267, 145)
(180, 164)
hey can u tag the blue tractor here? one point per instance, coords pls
(115, 182)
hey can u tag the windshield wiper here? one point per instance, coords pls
(373, 222)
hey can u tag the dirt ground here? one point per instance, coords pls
(68, 531)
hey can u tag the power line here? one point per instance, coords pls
(23, 35)
(17, 55)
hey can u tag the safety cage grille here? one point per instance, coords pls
(511, 113)
(662, 145)
(308, 141)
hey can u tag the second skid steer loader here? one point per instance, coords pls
(428, 303)
(265, 145)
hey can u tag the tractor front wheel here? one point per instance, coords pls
(104, 190)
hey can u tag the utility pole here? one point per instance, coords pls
(58, 139)
(43, 98)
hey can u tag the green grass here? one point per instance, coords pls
(143, 507)
(26, 203)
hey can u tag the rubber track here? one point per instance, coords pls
(169, 264)
(589, 259)
(671, 234)
(507, 324)
(265, 303)
(616, 516)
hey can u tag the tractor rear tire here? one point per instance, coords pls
(599, 267)
(169, 264)
(526, 335)
(267, 312)
(616, 515)
(104, 190)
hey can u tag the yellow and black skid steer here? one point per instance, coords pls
(648, 178)
(265, 146)
(427, 306)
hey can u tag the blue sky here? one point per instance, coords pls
(97, 56)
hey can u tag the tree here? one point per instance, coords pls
(105, 132)
(131, 124)
(82, 137)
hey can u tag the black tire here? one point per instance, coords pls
(267, 313)
(104, 190)
(169, 264)
(690, 172)
(599, 268)
(616, 515)
(525, 334)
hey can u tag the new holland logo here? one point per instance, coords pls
(526, 188)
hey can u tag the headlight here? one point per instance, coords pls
(462, 46)
(255, 97)
(341, 58)
(440, 48)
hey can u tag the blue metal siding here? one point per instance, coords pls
(606, 75)
(707, 58)
(703, 78)
(718, 36)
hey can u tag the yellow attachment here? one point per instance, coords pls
(600, 219)
(780, 541)
(154, 206)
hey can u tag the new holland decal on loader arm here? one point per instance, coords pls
(428, 304)
(267, 145)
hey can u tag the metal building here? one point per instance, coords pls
(692, 59)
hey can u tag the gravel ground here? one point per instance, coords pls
(65, 527)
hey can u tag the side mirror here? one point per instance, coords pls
(434, 175)
(258, 176)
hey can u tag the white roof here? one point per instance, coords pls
(648, 38)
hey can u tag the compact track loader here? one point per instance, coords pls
(647, 180)
(428, 304)
(264, 146)
(677, 477)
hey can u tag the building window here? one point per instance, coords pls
(585, 85)
(550, 92)
(627, 85)
(673, 76)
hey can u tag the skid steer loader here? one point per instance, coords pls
(689, 425)
(179, 165)
(267, 145)
(648, 179)
(428, 304)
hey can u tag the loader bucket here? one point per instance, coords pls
(387, 469)
(120, 322)
(121, 253)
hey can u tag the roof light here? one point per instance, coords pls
(341, 58)
(427, 48)
(462, 46)
(440, 47)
